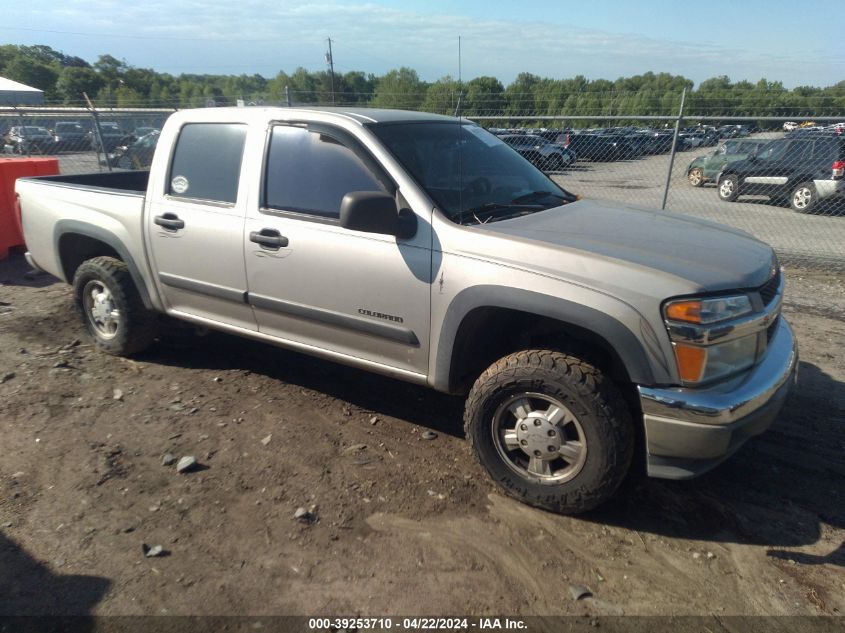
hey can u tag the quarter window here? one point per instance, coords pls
(207, 162)
(310, 172)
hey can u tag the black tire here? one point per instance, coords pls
(728, 187)
(127, 327)
(603, 420)
(804, 198)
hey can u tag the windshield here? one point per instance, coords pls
(472, 175)
(29, 129)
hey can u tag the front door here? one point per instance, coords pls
(313, 282)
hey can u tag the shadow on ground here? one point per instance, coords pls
(28, 588)
(777, 491)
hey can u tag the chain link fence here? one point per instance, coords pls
(779, 178)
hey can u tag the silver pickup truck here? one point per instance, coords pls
(582, 333)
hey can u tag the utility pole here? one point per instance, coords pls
(330, 62)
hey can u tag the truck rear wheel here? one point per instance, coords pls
(111, 308)
(551, 430)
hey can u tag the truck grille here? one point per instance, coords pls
(769, 290)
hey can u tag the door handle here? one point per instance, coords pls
(169, 221)
(268, 237)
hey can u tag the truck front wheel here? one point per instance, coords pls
(111, 308)
(551, 430)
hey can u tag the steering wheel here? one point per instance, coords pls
(480, 186)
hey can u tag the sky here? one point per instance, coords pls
(743, 39)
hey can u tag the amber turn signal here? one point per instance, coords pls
(691, 361)
(689, 311)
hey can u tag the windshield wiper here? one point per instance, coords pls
(491, 209)
(534, 195)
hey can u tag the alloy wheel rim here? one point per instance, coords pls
(801, 198)
(727, 187)
(695, 176)
(539, 438)
(100, 309)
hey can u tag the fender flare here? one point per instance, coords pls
(75, 227)
(636, 354)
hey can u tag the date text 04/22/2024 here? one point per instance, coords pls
(442, 624)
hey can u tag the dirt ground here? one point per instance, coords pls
(403, 525)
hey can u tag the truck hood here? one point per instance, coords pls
(708, 256)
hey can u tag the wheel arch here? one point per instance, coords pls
(76, 242)
(465, 348)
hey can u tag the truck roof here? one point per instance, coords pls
(359, 115)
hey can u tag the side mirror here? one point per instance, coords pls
(376, 212)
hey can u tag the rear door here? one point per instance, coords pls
(773, 168)
(195, 226)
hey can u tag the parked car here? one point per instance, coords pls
(707, 168)
(545, 155)
(137, 155)
(69, 136)
(112, 136)
(789, 126)
(29, 139)
(579, 331)
(803, 169)
(711, 137)
(658, 141)
(138, 132)
(598, 146)
(734, 131)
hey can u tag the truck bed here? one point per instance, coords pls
(108, 207)
(122, 181)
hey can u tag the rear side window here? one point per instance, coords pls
(826, 149)
(310, 172)
(207, 162)
(797, 150)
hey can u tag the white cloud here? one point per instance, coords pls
(372, 37)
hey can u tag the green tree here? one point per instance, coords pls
(32, 73)
(400, 88)
(521, 94)
(74, 80)
(484, 95)
(442, 96)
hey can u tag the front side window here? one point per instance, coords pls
(206, 164)
(310, 172)
(773, 151)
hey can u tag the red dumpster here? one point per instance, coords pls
(10, 170)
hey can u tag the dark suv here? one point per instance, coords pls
(803, 170)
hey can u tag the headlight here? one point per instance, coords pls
(700, 357)
(705, 364)
(707, 311)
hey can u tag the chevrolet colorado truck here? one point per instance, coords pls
(582, 333)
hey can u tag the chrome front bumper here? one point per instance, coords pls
(689, 431)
